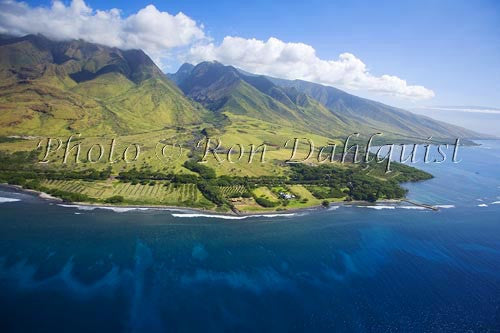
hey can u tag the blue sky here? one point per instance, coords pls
(451, 48)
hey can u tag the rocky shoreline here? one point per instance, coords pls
(233, 214)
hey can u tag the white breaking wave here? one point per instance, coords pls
(482, 205)
(276, 215)
(120, 209)
(495, 203)
(114, 209)
(183, 212)
(3, 199)
(413, 207)
(230, 217)
(226, 217)
(378, 207)
(188, 214)
(80, 207)
(445, 206)
(123, 209)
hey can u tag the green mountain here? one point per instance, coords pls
(314, 107)
(376, 115)
(75, 86)
(56, 88)
(62, 87)
(224, 89)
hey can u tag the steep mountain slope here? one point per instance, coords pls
(62, 87)
(374, 114)
(316, 107)
(182, 73)
(224, 89)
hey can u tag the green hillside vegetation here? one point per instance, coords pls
(158, 193)
(310, 107)
(199, 186)
(99, 94)
(370, 115)
(49, 87)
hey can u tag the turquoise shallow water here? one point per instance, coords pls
(389, 268)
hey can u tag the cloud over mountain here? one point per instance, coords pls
(299, 61)
(149, 29)
(161, 34)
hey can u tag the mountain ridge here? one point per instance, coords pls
(224, 89)
(67, 86)
(63, 87)
(350, 112)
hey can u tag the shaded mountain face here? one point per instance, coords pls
(376, 115)
(181, 74)
(224, 89)
(66, 86)
(316, 107)
(61, 87)
(82, 61)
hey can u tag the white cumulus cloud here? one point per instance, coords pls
(299, 61)
(161, 35)
(154, 31)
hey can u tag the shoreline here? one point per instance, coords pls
(48, 197)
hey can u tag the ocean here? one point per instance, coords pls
(348, 268)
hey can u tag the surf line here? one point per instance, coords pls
(434, 208)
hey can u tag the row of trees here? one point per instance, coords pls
(359, 184)
(355, 182)
(21, 166)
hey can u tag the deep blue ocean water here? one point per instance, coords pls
(348, 269)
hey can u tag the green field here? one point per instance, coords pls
(265, 192)
(117, 104)
(161, 193)
(304, 197)
(223, 186)
(232, 191)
